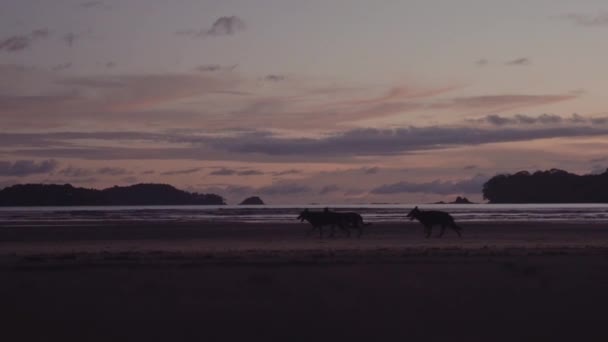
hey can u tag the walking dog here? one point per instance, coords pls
(430, 218)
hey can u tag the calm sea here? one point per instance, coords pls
(579, 213)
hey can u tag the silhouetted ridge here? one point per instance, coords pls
(462, 200)
(255, 200)
(139, 194)
(552, 186)
(458, 200)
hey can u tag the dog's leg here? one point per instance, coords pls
(442, 231)
(346, 229)
(333, 231)
(360, 225)
(457, 229)
(428, 230)
(311, 230)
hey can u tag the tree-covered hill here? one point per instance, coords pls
(552, 186)
(67, 195)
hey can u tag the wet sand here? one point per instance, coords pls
(211, 282)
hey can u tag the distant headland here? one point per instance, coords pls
(68, 195)
(552, 186)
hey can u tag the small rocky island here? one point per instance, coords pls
(462, 200)
(458, 200)
(254, 200)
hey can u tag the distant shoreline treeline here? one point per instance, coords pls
(67, 195)
(553, 186)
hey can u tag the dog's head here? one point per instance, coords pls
(413, 213)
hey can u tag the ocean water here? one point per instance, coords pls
(574, 213)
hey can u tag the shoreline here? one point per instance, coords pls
(257, 240)
(287, 259)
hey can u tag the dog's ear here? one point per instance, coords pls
(416, 208)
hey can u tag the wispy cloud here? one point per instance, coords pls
(377, 142)
(287, 172)
(96, 97)
(277, 189)
(599, 160)
(63, 66)
(215, 67)
(465, 186)
(209, 67)
(183, 100)
(22, 168)
(275, 78)
(263, 146)
(226, 26)
(291, 113)
(223, 172)
(501, 102)
(482, 62)
(15, 43)
(223, 26)
(587, 20)
(250, 173)
(233, 172)
(395, 100)
(519, 62)
(79, 172)
(400, 93)
(42, 33)
(329, 189)
(280, 189)
(70, 38)
(130, 180)
(113, 171)
(21, 42)
(544, 119)
(182, 172)
(371, 170)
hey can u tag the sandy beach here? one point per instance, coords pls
(211, 282)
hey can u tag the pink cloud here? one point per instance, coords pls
(501, 102)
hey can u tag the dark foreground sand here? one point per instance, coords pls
(212, 282)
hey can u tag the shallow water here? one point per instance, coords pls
(572, 213)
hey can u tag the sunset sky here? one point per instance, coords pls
(329, 101)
